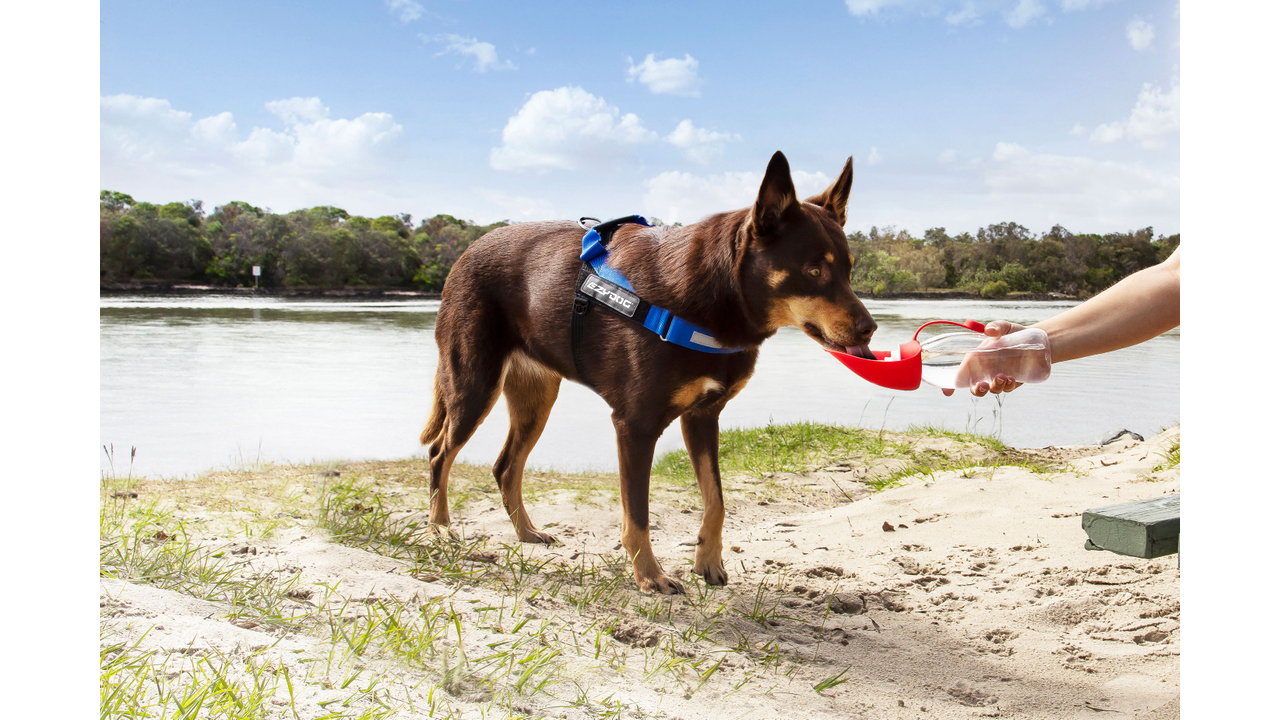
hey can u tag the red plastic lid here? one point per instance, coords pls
(903, 373)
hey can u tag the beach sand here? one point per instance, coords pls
(965, 593)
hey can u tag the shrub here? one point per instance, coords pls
(994, 289)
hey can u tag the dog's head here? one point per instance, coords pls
(795, 264)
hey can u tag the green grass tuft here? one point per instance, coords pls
(793, 447)
(1172, 457)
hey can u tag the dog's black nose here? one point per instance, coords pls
(865, 326)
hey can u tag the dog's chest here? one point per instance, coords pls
(712, 388)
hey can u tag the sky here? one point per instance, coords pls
(957, 113)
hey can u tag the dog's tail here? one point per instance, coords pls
(435, 421)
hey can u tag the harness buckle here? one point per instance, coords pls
(580, 304)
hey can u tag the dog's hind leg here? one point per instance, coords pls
(531, 390)
(702, 439)
(467, 394)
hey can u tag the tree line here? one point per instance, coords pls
(1001, 259)
(327, 247)
(320, 247)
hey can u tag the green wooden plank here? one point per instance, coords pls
(1145, 529)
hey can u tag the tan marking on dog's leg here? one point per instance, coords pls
(702, 440)
(635, 461)
(531, 390)
(439, 514)
(644, 564)
(708, 559)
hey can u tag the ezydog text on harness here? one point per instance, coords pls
(600, 284)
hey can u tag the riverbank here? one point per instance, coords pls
(875, 575)
(165, 288)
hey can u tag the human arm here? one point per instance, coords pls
(1136, 309)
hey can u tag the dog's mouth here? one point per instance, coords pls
(859, 351)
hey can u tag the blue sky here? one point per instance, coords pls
(957, 113)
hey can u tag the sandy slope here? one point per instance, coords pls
(981, 601)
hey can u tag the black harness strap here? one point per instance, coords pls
(582, 300)
(581, 304)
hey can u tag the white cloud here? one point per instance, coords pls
(516, 207)
(1024, 13)
(685, 198)
(947, 156)
(122, 116)
(216, 130)
(298, 109)
(862, 8)
(699, 144)
(1076, 5)
(1109, 133)
(264, 148)
(966, 15)
(875, 158)
(343, 142)
(484, 54)
(567, 128)
(1079, 130)
(667, 77)
(147, 146)
(406, 10)
(1140, 34)
(1105, 194)
(1155, 115)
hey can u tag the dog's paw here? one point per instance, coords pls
(714, 574)
(536, 536)
(661, 585)
(441, 532)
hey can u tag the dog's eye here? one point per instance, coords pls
(815, 272)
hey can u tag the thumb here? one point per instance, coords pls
(998, 328)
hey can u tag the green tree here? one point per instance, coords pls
(115, 201)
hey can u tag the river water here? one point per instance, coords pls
(196, 383)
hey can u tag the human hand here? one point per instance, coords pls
(972, 365)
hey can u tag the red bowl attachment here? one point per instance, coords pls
(901, 374)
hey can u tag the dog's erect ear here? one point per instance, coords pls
(777, 195)
(836, 197)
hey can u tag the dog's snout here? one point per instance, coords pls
(865, 326)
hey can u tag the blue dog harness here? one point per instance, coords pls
(602, 284)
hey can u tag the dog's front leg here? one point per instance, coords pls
(635, 459)
(702, 439)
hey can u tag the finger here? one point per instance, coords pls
(997, 328)
(980, 389)
(1006, 384)
(948, 391)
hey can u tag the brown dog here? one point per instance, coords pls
(504, 328)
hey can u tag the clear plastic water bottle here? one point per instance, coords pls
(964, 359)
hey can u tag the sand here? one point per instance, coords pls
(964, 594)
